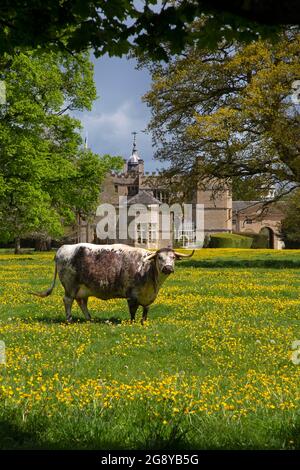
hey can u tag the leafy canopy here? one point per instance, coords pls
(46, 177)
(290, 226)
(229, 113)
(117, 26)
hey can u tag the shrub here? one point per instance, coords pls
(290, 225)
(259, 240)
(229, 240)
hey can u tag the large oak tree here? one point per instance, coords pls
(230, 113)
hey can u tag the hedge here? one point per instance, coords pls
(229, 240)
(259, 240)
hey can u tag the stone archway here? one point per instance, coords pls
(269, 233)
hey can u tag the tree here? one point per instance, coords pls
(116, 26)
(45, 176)
(248, 189)
(290, 226)
(229, 113)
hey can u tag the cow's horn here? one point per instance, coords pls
(150, 256)
(181, 255)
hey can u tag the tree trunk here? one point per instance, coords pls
(42, 244)
(17, 245)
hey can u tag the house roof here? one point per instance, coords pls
(241, 205)
(143, 197)
(256, 207)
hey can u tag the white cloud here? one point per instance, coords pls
(110, 131)
(119, 122)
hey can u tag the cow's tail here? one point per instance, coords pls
(48, 291)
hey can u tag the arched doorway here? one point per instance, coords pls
(269, 234)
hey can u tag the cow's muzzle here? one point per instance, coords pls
(168, 269)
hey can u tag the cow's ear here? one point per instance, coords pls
(149, 257)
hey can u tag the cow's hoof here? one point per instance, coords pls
(70, 321)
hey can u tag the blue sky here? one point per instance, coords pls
(119, 110)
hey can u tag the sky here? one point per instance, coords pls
(119, 110)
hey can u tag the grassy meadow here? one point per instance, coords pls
(211, 369)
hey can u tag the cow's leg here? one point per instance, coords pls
(145, 314)
(68, 301)
(83, 305)
(133, 306)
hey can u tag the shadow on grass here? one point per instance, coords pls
(16, 437)
(30, 436)
(243, 263)
(290, 435)
(33, 433)
(12, 436)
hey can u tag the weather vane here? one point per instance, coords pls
(134, 141)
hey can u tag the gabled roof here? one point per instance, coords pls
(258, 207)
(143, 197)
(241, 205)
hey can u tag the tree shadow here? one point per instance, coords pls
(243, 263)
(290, 435)
(14, 436)
(30, 435)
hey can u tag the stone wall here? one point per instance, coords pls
(253, 219)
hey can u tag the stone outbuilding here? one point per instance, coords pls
(253, 217)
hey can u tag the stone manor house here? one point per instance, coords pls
(219, 214)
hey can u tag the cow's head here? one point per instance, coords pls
(165, 259)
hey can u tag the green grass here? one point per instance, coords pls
(211, 369)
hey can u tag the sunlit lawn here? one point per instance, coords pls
(211, 369)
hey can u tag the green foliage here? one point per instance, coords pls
(290, 226)
(259, 240)
(248, 189)
(117, 26)
(45, 176)
(228, 114)
(229, 240)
